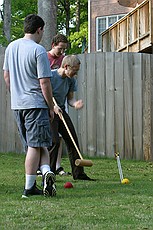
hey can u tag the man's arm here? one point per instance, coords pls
(46, 88)
(73, 102)
(7, 79)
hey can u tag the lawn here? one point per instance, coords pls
(96, 205)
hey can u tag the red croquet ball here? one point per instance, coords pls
(68, 185)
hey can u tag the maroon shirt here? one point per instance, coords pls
(55, 62)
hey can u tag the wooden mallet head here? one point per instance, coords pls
(81, 162)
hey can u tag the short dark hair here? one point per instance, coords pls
(32, 22)
(59, 38)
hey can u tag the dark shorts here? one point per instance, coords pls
(34, 127)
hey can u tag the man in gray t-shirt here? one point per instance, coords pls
(26, 62)
(27, 76)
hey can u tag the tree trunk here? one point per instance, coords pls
(47, 9)
(77, 15)
(7, 20)
(67, 11)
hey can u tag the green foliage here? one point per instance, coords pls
(90, 205)
(17, 27)
(19, 10)
(3, 40)
(77, 39)
(22, 8)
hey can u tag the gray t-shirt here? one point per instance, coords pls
(61, 87)
(26, 62)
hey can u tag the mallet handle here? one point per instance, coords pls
(119, 167)
(67, 128)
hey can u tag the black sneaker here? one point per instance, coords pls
(60, 171)
(83, 177)
(48, 183)
(32, 191)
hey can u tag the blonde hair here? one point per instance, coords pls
(71, 60)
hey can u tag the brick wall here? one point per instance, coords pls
(100, 8)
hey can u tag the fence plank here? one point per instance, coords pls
(137, 106)
(82, 114)
(1, 93)
(147, 110)
(110, 104)
(128, 105)
(119, 106)
(151, 81)
(9, 127)
(3, 134)
(91, 104)
(100, 103)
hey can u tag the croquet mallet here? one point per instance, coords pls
(81, 161)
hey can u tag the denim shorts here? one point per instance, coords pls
(34, 127)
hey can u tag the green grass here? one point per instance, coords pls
(96, 205)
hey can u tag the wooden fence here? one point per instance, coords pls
(118, 107)
(9, 139)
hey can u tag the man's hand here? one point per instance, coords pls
(58, 111)
(78, 104)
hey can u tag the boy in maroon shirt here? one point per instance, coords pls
(55, 56)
